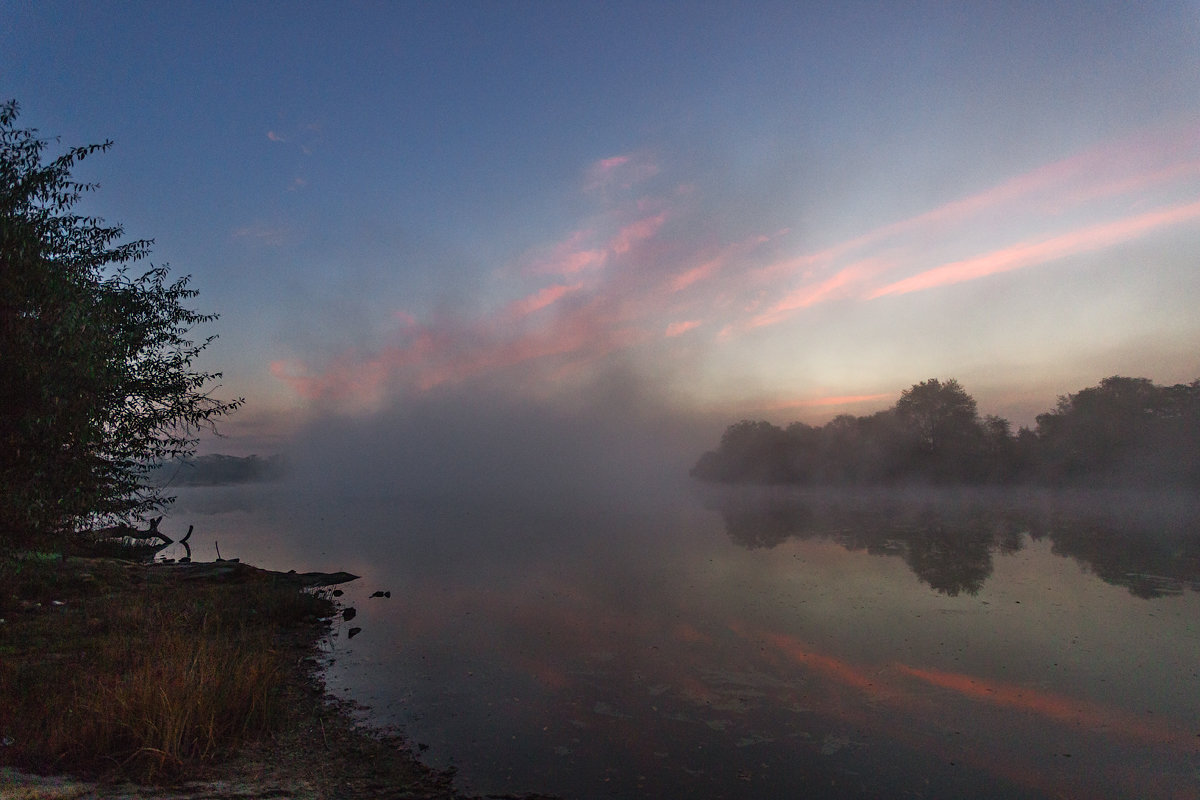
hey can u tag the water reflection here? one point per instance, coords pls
(760, 647)
(948, 539)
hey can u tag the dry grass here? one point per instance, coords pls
(135, 678)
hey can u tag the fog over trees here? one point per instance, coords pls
(1122, 432)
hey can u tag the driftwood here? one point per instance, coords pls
(236, 572)
(133, 544)
(126, 532)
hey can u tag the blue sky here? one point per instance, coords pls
(770, 210)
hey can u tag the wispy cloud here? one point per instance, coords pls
(653, 267)
(576, 253)
(451, 350)
(271, 235)
(619, 172)
(680, 328)
(635, 233)
(1028, 254)
(585, 249)
(600, 266)
(304, 136)
(846, 282)
(539, 300)
(873, 263)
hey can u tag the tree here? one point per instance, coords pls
(944, 422)
(750, 452)
(96, 379)
(937, 412)
(1124, 430)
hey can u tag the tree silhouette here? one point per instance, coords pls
(1126, 431)
(944, 424)
(96, 383)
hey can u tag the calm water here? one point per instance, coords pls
(763, 644)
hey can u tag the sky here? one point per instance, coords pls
(411, 213)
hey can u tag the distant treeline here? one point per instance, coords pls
(217, 470)
(1125, 431)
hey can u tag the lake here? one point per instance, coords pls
(748, 644)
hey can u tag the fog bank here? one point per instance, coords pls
(613, 442)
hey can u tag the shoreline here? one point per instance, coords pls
(315, 749)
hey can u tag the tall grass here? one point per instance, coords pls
(141, 680)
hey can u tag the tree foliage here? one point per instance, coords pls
(96, 377)
(1124, 431)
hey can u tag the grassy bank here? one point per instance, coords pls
(138, 675)
(106, 669)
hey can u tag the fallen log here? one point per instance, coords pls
(237, 572)
(125, 532)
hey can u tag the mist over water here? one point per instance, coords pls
(608, 443)
(570, 614)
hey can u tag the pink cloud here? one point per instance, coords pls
(578, 252)
(621, 310)
(840, 284)
(447, 351)
(644, 284)
(834, 400)
(678, 328)
(686, 279)
(1133, 183)
(580, 260)
(714, 265)
(1035, 199)
(621, 171)
(1108, 169)
(1026, 254)
(607, 165)
(581, 335)
(275, 137)
(572, 255)
(635, 233)
(539, 300)
(956, 211)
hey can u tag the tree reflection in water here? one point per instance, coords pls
(1148, 543)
